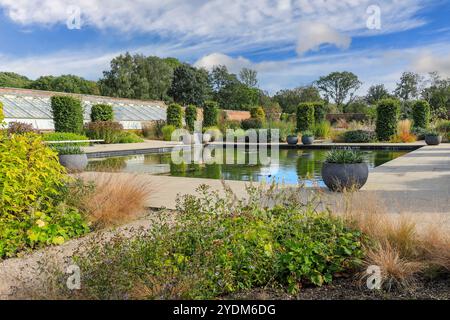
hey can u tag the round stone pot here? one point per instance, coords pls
(307, 140)
(340, 177)
(74, 162)
(433, 140)
(292, 140)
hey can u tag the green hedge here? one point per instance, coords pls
(305, 116)
(102, 112)
(174, 115)
(210, 114)
(320, 111)
(388, 112)
(190, 117)
(421, 114)
(251, 123)
(359, 136)
(109, 131)
(67, 114)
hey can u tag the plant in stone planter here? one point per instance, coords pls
(292, 138)
(72, 157)
(344, 170)
(433, 138)
(307, 137)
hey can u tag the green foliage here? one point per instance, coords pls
(408, 87)
(190, 117)
(19, 128)
(387, 119)
(109, 131)
(66, 83)
(338, 86)
(190, 85)
(65, 136)
(421, 114)
(305, 116)
(167, 131)
(67, 149)
(258, 113)
(322, 130)
(153, 130)
(359, 136)
(31, 182)
(210, 114)
(128, 137)
(138, 77)
(290, 99)
(307, 133)
(320, 111)
(344, 156)
(438, 96)
(218, 245)
(175, 115)
(102, 112)
(358, 105)
(376, 93)
(285, 128)
(251, 123)
(67, 114)
(2, 116)
(14, 80)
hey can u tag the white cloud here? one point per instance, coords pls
(313, 34)
(233, 65)
(427, 62)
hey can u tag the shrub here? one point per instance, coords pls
(175, 115)
(153, 130)
(65, 136)
(167, 131)
(67, 114)
(359, 136)
(31, 186)
(214, 133)
(258, 113)
(191, 117)
(109, 131)
(322, 129)
(2, 116)
(210, 114)
(251, 123)
(443, 126)
(387, 119)
(305, 116)
(19, 128)
(217, 246)
(284, 128)
(320, 111)
(128, 137)
(344, 156)
(102, 112)
(421, 114)
(307, 133)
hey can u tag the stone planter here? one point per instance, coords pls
(339, 177)
(74, 162)
(292, 140)
(307, 140)
(433, 140)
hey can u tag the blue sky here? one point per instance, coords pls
(289, 42)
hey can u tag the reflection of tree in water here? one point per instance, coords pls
(182, 169)
(213, 171)
(107, 165)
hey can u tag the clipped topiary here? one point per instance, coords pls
(388, 112)
(421, 112)
(174, 115)
(210, 114)
(190, 117)
(320, 111)
(102, 112)
(67, 114)
(258, 113)
(305, 116)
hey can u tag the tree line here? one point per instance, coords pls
(168, 79)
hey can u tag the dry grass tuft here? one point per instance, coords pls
(404, 245)
(117, 199)
(404, 132)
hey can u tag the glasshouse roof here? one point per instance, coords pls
(33, 104)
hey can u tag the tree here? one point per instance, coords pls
(339, 86)
(14, 80)
(438, 96)
(220, 77)
(408, 87)
(237, 96)
(66, 83)
(376, 93)
(290, 99)
(249, 77)
(138, 77)
(190, 85)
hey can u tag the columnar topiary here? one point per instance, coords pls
(102, 112)
(190, 117)
(210, 114)
(305, 116)
(388, 112)
(2, 117)
(258, 113)
(67, 114)
(320, 111)
(175, 115)
(421, 114)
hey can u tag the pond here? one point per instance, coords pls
(292, 167)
